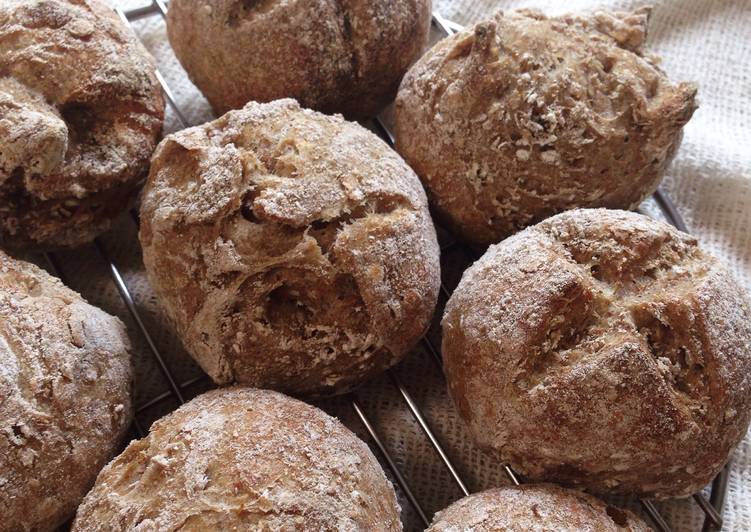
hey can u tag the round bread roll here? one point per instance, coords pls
(80, 112)
(293, 250)
(332, 56)
(65, 396)
(605, 350)
(534, 507)
(243, 459)
(524, 116)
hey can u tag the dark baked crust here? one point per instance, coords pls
(335, 56)
(243, 459)
(65, 396)
(293, 250)
(524, 116)
(602, 349)
(80, 112)
(534, 507)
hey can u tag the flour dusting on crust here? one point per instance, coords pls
(534, 507)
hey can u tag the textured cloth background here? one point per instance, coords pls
(710, 181)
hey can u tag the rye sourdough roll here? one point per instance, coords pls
(332, 56)
(523, 116)
(243, 459)
(80, 113)
(293, 250)
(534, 507)
(602, 349)
(65, 396)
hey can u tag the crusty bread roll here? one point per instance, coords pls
(80, 111)
(523, 116)
(65, 388)
(332, 56)
(602, 349)
(293, 250)
(243, 459)
(534, 507)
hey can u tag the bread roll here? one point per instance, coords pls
(534, 507)
(65, 396)
(333, 56)
(293, 250)
(523, 116)
(243, 459)
(80, 111)
(605, 350)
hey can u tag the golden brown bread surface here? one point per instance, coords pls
(602, 349)
(293, 250)
(335, 56)
(524, 116)
(65, 396)
(80, 112)
(243, 459)
(540, 507)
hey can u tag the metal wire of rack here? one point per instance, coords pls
(711, 508)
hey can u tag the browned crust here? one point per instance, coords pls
(523, 116)
(65, 396)
(605, 350)
(534, 507)
(293, 250)
(335, 56)
(80, 113)
(243, 459)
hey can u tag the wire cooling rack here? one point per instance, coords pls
(177, 392)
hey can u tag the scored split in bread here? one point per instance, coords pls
(332, 56)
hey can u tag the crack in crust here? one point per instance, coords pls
(628, 289)
(524, 116)
(626, 348)
(80, 112)
(293, 250)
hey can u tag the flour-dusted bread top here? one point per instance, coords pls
(243, 459)
(293, 250)
(65, 396)
(523, 116)
(80, 111)
(603, 349)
